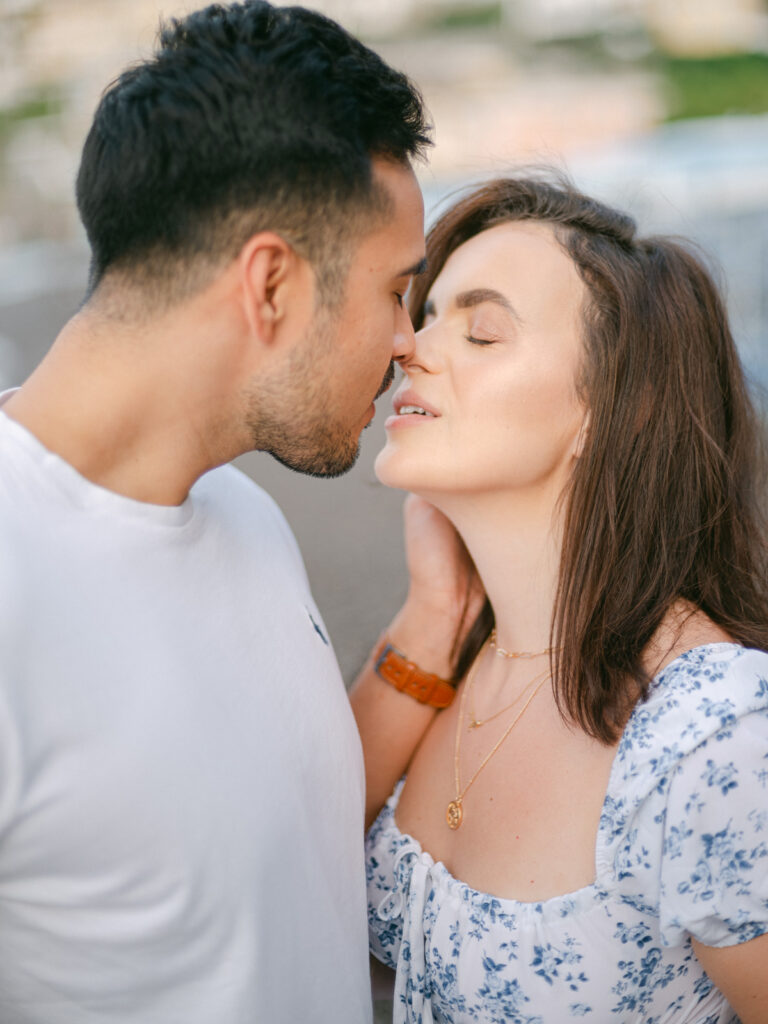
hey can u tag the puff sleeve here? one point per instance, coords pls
(714, 869)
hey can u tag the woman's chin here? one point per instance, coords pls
(390, 470)
(411, 471)
(383, 469)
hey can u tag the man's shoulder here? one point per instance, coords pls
(227, 493)
(227, 486)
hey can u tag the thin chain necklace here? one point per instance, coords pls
(475, 722)
(454, 814)
(502, 653)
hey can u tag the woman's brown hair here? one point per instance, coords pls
(667, 500)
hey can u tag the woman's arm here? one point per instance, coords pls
(741, 974)
(444, 595)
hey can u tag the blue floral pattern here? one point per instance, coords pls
(682, 851)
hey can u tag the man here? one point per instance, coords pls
(181, 794)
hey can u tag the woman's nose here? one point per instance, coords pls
(404, 340)
(422, 351)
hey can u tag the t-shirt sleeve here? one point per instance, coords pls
(9, 764)
(714, 869)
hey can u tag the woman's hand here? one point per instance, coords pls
(445, 594)
(444, 598)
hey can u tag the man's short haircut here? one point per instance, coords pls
(247, 118)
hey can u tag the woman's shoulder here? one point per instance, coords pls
(701, 733)
(713, 682)
(713, 884)
(705, 693)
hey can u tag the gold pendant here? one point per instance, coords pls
(474, 724)
(454, 813)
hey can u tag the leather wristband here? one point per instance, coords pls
(394, 668)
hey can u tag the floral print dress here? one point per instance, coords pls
(681, 851)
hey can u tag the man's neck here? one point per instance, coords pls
(117, 409)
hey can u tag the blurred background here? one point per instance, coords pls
(658, 106)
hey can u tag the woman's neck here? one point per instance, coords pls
(515, 543)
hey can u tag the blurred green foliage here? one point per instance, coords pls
(465, 15)
(41, 103)
(709, 86)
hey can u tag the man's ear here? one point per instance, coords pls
(266, 264)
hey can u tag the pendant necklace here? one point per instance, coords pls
(454, 814)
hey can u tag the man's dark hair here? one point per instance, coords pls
(248, 117)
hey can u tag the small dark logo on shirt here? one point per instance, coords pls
(318, 630)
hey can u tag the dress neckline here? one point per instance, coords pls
(577, 897)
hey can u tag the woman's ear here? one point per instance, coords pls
(266, 263)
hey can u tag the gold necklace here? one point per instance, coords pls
(454, 814)
(475, 722)
(502, 653)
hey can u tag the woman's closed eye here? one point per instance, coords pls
(480, 341)
(488, 326)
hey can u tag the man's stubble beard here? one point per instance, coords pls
(291, 420)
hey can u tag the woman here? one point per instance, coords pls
(583, 831)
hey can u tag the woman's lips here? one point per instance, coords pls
(410, 399)
(410, 409)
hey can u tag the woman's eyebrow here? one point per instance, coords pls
(476, 296)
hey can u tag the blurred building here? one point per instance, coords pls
(706, 27)
(685, 27)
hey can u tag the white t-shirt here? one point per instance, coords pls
(181, 782)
